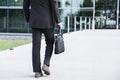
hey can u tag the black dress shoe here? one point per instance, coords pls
(37, 74)
(46, 70)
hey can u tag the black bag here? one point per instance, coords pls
(59, 43)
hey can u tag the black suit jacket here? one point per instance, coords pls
(43, 13)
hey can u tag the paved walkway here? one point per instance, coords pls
(90, 55)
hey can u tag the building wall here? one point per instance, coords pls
(12, 19)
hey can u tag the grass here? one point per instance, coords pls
(7, 44)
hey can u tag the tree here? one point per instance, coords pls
(105, 5)
(99, 7)
(111, 6)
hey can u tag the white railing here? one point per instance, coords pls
(76, 23)
(82, 23)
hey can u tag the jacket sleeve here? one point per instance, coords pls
(56, 11)
(26, 4)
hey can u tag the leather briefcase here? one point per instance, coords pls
(59, 44)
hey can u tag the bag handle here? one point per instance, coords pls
(60, 31)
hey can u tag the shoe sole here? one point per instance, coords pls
(36, 76)
(46, 72)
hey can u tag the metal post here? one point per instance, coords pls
(75, 23)
(105, 8)
(89, 22)
(93, 20)
(71, 17)
(80, 23)
(85, 23)
(117, 26)
(68, 28)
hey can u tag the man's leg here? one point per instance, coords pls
(36, 45)
(49, 38)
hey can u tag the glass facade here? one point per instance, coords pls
(12, 20)
(3, 20)
(75, 9)
(74, 13)
(11, 2)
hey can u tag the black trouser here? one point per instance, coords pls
(36, 46)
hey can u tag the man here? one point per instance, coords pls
(41, 18)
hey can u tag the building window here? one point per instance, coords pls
(17, 22)
(15, 2)
(3, 20)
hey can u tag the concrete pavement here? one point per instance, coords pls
(89, 55)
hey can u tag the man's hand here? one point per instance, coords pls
(60, 26)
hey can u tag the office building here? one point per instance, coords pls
(12, 19)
